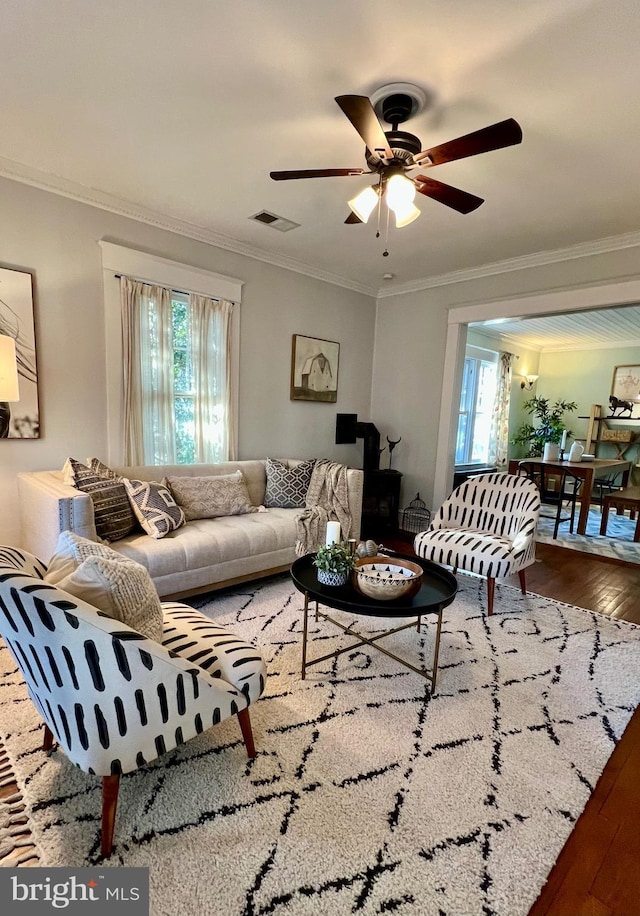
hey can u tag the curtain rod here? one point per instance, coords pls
(180, 292)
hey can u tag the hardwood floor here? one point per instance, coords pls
(596, 873)
(605, 585)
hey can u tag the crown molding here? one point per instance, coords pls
(17, 171)
(537, 259)
(55, 184)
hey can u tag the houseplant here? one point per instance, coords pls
(334, 563)
(549, 424)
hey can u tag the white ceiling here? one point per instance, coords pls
(588, 329)
(177, 111)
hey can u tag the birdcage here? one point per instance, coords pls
(416, 517)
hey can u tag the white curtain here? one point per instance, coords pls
(499, 434)
(211, 366)
(148, 359)
(148, 373)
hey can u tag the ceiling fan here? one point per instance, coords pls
(393, 153)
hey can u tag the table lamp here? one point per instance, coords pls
(8, 382)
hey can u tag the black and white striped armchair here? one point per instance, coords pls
(113, 699)
(488, 527)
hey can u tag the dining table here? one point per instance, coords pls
(588, 471)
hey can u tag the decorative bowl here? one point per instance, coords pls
(386, 578)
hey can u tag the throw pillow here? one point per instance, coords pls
(112, 511)
(154, 506)
(72, 550)
(211, 497)
(287, 486)
(120, 588)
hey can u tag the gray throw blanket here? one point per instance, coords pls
(327, 500)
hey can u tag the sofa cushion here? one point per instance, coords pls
(154, 506)
(287, 486)
(113, 514)
(208, 543)
(72, 550)
(120, 588)
(211, 497)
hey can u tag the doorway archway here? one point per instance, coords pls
(576, 299)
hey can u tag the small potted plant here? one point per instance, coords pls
(334, 563)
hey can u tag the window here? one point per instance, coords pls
(479, 381)
(194, 407)
(183, 382)
(187, 344)
(177, 395)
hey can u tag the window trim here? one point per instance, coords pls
(118, 259)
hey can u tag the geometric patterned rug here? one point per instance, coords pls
(617, 543)
(367, 795)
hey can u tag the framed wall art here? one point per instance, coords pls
(626, 383)
(314, 369)
(16, 321)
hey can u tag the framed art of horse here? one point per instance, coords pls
(625, 387)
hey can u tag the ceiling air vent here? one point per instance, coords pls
(274, 221)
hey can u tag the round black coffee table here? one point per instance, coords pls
(437, 590)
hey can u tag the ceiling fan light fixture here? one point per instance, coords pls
(399, 196)
(405, 214)
(364, 203)
(400, 192)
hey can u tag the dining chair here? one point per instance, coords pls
(607, 485)
(559, 488)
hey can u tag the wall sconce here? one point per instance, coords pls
(8, 382)
(528, 381)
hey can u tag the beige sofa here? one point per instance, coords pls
(202, 555)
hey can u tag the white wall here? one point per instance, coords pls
(411, 339)
(57, 240)
(407, 384)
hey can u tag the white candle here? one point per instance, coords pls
(563, 444)
(333, 533)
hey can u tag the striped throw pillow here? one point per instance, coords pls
(112, 511)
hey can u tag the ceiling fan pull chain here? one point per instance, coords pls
(385, 253)
(379, 204)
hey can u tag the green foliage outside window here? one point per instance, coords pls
(183, 409)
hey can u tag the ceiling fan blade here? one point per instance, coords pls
(314, 173)
(352, 219)
(360, 112)
(446, 194)
(497, 136)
